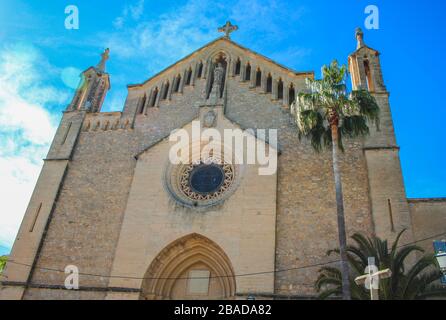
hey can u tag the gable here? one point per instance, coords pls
(193, 77)
(230, 48)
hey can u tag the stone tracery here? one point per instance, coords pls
(178, 182)
(188, 190)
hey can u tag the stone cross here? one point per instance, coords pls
(372, 277)
(227, 29)
(104, 58)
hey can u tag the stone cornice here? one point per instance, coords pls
(60, 287)
(381, 148)
(417, 200)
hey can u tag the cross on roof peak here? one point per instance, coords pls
(227, 29)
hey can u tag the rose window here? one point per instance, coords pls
(202, 184)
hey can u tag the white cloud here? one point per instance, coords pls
(266, 19)
(137, 10)
(18, 176)
(293, 56)
(26, 129)
(159, 42)
(134, 11)
(156, 43)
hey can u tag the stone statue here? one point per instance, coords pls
(218, 80)
(218, 75)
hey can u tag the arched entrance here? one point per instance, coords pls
(192, 267)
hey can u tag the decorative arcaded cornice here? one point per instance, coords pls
(224, 39)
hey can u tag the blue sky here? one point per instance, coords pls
(40, 61)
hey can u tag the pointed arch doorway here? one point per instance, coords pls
(192, 267)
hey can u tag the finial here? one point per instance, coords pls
(104, 58)
(227, 29)
(359, 37)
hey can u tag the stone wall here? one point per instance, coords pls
(428, 219)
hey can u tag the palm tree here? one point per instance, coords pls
(327, 113)
(3, 260)
(416, 282)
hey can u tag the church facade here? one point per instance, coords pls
(137, 226)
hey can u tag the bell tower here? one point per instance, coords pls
(89, 97)
(93, 87)
(365, 67)
(389, 207)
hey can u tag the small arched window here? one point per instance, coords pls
(200, 70)
(368, 75)
(258, 78)
(269, 84)
(177, 83)
(154, 96)
(142, 103)
(188, 77)
(291, 95)
(165, 91)
(280, 89)
(248, 72)
(237, 67)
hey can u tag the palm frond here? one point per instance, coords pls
(327, 97)
(395, 243)
(414, 272)
(401, 255)
(367, 106)
(365, 244)
(330, 292)
(419, 282)
(354, 126)
(433, 292)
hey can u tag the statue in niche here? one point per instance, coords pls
(218, 78)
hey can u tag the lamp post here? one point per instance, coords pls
(440, 255)
(372, 277)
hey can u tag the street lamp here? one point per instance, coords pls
(441, 259)
(440, 255)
